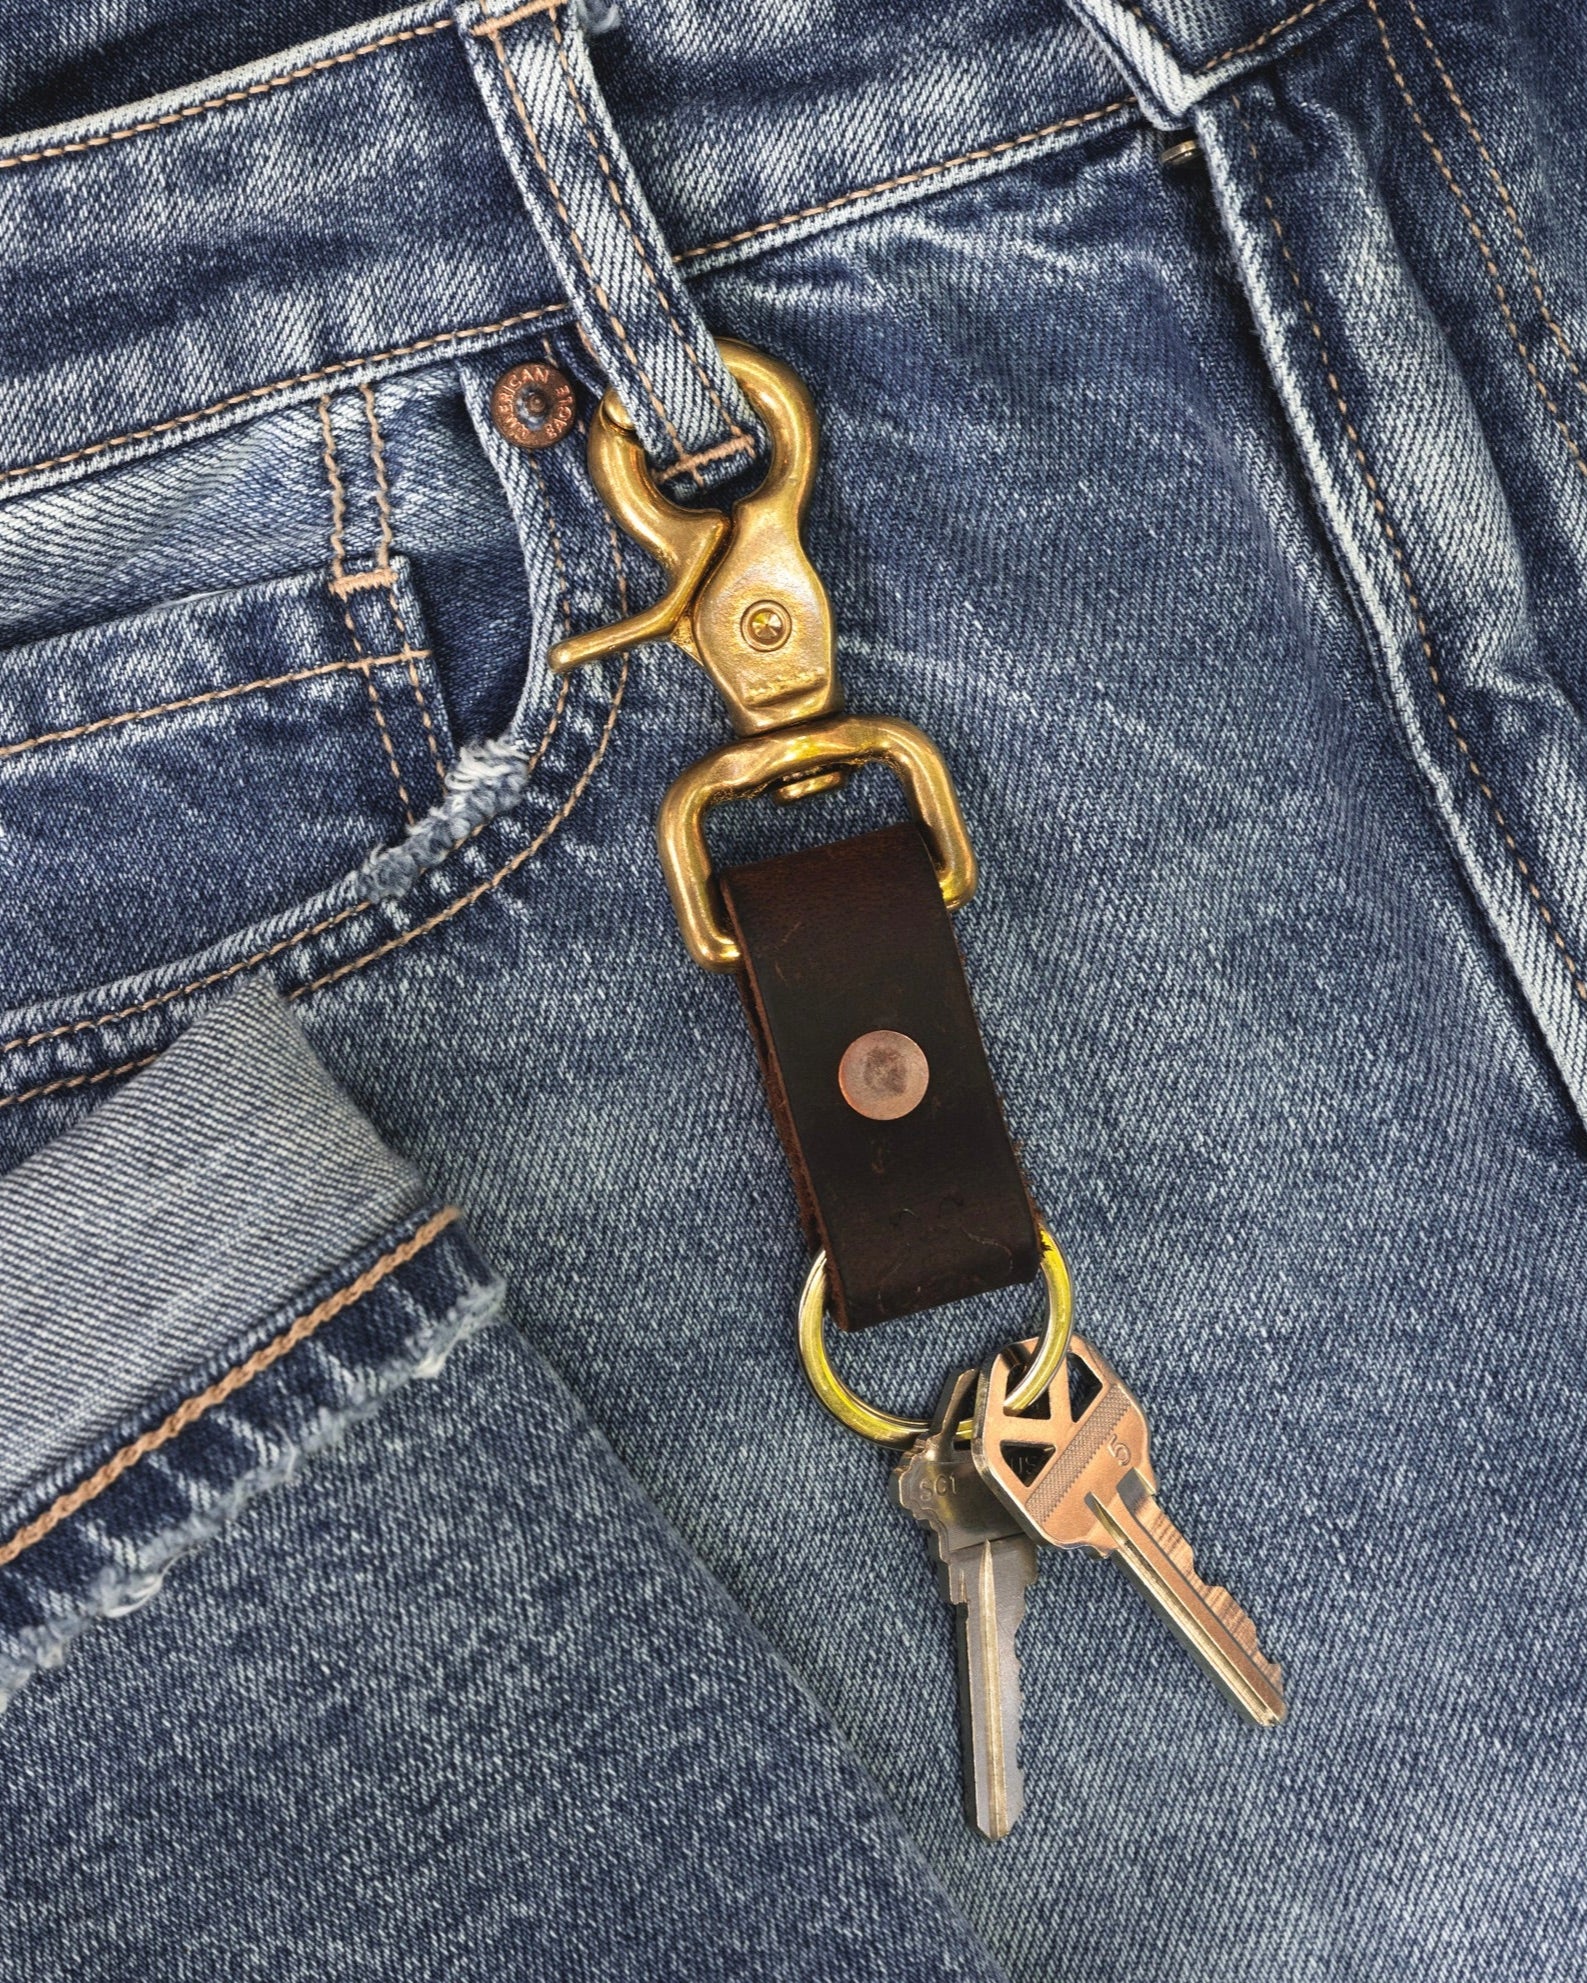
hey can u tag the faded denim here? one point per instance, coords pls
(1224, 523)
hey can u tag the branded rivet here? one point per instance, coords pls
(1179, 148)
(883, 1075)
(766, 625)
(532, 404)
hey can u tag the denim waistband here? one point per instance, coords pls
(348, 208)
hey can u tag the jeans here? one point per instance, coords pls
(1218, 509)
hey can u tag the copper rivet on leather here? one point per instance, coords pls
(902, 1163)
(883, 1075)
(532, 405)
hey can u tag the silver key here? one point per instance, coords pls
(985, 1564)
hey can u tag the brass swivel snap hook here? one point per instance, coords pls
(743, 597)
(745, 601)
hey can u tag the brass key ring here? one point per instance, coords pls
(881, 1426)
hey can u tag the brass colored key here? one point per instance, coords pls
(1084, 1480)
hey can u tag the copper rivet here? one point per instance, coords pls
(766, 625)
(883, 1075)
(532, 405)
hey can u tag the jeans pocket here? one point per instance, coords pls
(173, 775)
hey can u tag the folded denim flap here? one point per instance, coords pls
(149, 1244)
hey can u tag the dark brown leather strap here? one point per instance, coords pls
(840, 941)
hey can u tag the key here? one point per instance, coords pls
(985, 1563)
(1083, 1480)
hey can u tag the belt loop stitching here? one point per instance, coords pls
(741, 438)
(543, 165)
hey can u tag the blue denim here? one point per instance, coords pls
(1223, 522)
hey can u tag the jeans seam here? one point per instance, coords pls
(396, 659)
(1506, 200)
(221, 102)
(151, 1004)
(441, 916)
(72, 1027)
(1228, 54)
(297, 1331)
(1479, 236)
(877, 189)
(338, 494)
(740, 438)
(1391, 538)
(914, 177)
(489, 23)
(493, 882)
(377, 456)
(332, 370)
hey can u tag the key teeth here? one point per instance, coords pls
(1237, 1621)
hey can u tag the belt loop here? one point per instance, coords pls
(532, 68)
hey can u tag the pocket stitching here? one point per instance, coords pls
(377, 454)
(74, 1026)
(338, 573)
(405, 656)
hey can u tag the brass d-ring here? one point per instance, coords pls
(881, 1426)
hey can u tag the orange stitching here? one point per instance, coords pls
(1506, 200)
(338, 546)
(377, 456)
(180, 991)
(490, 22)
(291, 942)
(1229, 54)
(560, 309)
(208, 695)
(510, 867)
(362, 581)
(342, 915)
(219, 102)
(378, 707)
(240, 1374)
(909, 178)
(338, 495)
(637, 238)
(75, 1081)
(283, 944)
(492, 882)
(577, 243)
(1391, 538)
(1484, 249)
(263, 956)
(690, 461)
(285, 385)
(1261, 40)
(377, 450)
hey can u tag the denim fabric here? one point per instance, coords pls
(147, 1241)
(1224, 524)
(610, 258)
(654, 1718)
